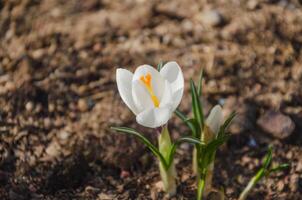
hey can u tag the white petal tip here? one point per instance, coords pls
(215, 119)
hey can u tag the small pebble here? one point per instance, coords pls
(211, 18)
(82, 105)
(276, 124)
(29, 106)
(252, 4)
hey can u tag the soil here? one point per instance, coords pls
(58, 96)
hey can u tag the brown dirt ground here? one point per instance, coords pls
(58, 95)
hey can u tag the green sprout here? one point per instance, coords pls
(264, 171)
(211, 132)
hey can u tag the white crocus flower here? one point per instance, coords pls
(215, 119)
(151, 95)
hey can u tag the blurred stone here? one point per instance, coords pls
(159, 185)
(82, 105)
(91, 190)
(104, 196)
(299, 166)
(29, 106)
(280, 185)
(277, 124)
(53, 149)
(252, 4)
(211, 18)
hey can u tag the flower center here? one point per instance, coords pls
(147, 82)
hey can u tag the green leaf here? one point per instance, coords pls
(279, 168)
(151, 147)
(199, 86)
(268, 158)
(226, 123)
(196, 106)
(181, 115)
(188, 139)
(229, 119)
(211, 148)
(216, 143)
(194, 126)
(160, 65)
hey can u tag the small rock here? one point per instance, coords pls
(245, 160)
(280, 185)
(91, 190)
(53, 149)
(38, 54)
(289, 155)
(29, 106)
(159, 185)
(120, 188)
(104, 196)
(82, 105)
(63, 135)
(299, 166)
(277, 124)
(240, 179)
(211, 18)
(185, 177)
(51, 107)
(252, 4)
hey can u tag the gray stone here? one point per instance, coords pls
(277, 124)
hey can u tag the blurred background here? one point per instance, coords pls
(58, 95)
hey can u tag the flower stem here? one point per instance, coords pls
(168, 179)
(251, 184)
(209, 178)
(195, 162)
(201, 186)
(168, 176)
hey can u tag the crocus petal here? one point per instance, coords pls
(154, 117)
(141, 97)
(157, 81)
(215, 119)
(167, 100)
(172, 73)
(124, 86)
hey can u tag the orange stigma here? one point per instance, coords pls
(147, 82)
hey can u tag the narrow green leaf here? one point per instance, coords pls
(199, 86)
(279, 168)
(188, 139)
(160, 65)
(226, 124)
(196, 105)
(229, 119)
(151, 147)
(216, 143)
(268, 158)
(194, 126)
(181, 115)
